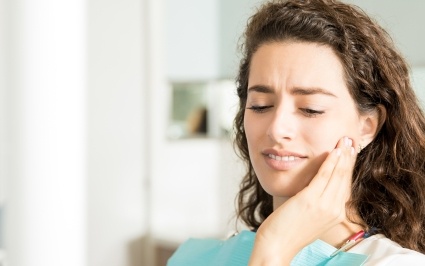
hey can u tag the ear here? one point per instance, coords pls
(371, 123)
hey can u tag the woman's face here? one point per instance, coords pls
(298, 107)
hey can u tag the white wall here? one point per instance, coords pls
(45, 132)
(116, 132)
(418, 83)
(403, 20)
(192, 26)
(202, 36)
(2, 103)
(233, 16)
(2, 126)
(73, 134)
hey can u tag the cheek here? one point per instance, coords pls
(323, 135)
(254, 128)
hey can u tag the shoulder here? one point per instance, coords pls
(383, 251)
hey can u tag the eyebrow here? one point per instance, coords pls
(310, 91)
(261, 89)
(294, 91)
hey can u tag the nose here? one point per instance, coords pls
(282, 126)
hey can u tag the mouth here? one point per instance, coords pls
(282, 155)
(284, 158)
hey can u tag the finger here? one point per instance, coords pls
(339, 186)
(321, 179)
(347, 179)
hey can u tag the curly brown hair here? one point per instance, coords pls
(388, 189)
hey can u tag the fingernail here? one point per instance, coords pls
(353, 151)
(338, 151)
(347, 141)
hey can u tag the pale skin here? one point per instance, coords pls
(302, 127)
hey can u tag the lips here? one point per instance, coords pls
(282, 154)
(282, 160)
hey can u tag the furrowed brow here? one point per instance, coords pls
(311, 91)
(260, 88)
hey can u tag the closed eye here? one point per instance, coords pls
(311, 112)
(259, 108)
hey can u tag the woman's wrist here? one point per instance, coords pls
(270, 251)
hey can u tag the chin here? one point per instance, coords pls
(282, 190)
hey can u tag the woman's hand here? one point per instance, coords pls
(310, 213)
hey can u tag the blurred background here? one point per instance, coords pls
(115, 124)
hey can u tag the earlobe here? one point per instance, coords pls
(371, 124)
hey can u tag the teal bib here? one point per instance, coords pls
(236, 251)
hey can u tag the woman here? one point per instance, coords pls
(333, 139)
(313, 72)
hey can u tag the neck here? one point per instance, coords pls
(338, 234)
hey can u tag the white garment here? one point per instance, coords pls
(382, 251)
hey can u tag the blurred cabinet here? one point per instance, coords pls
(164, 249)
